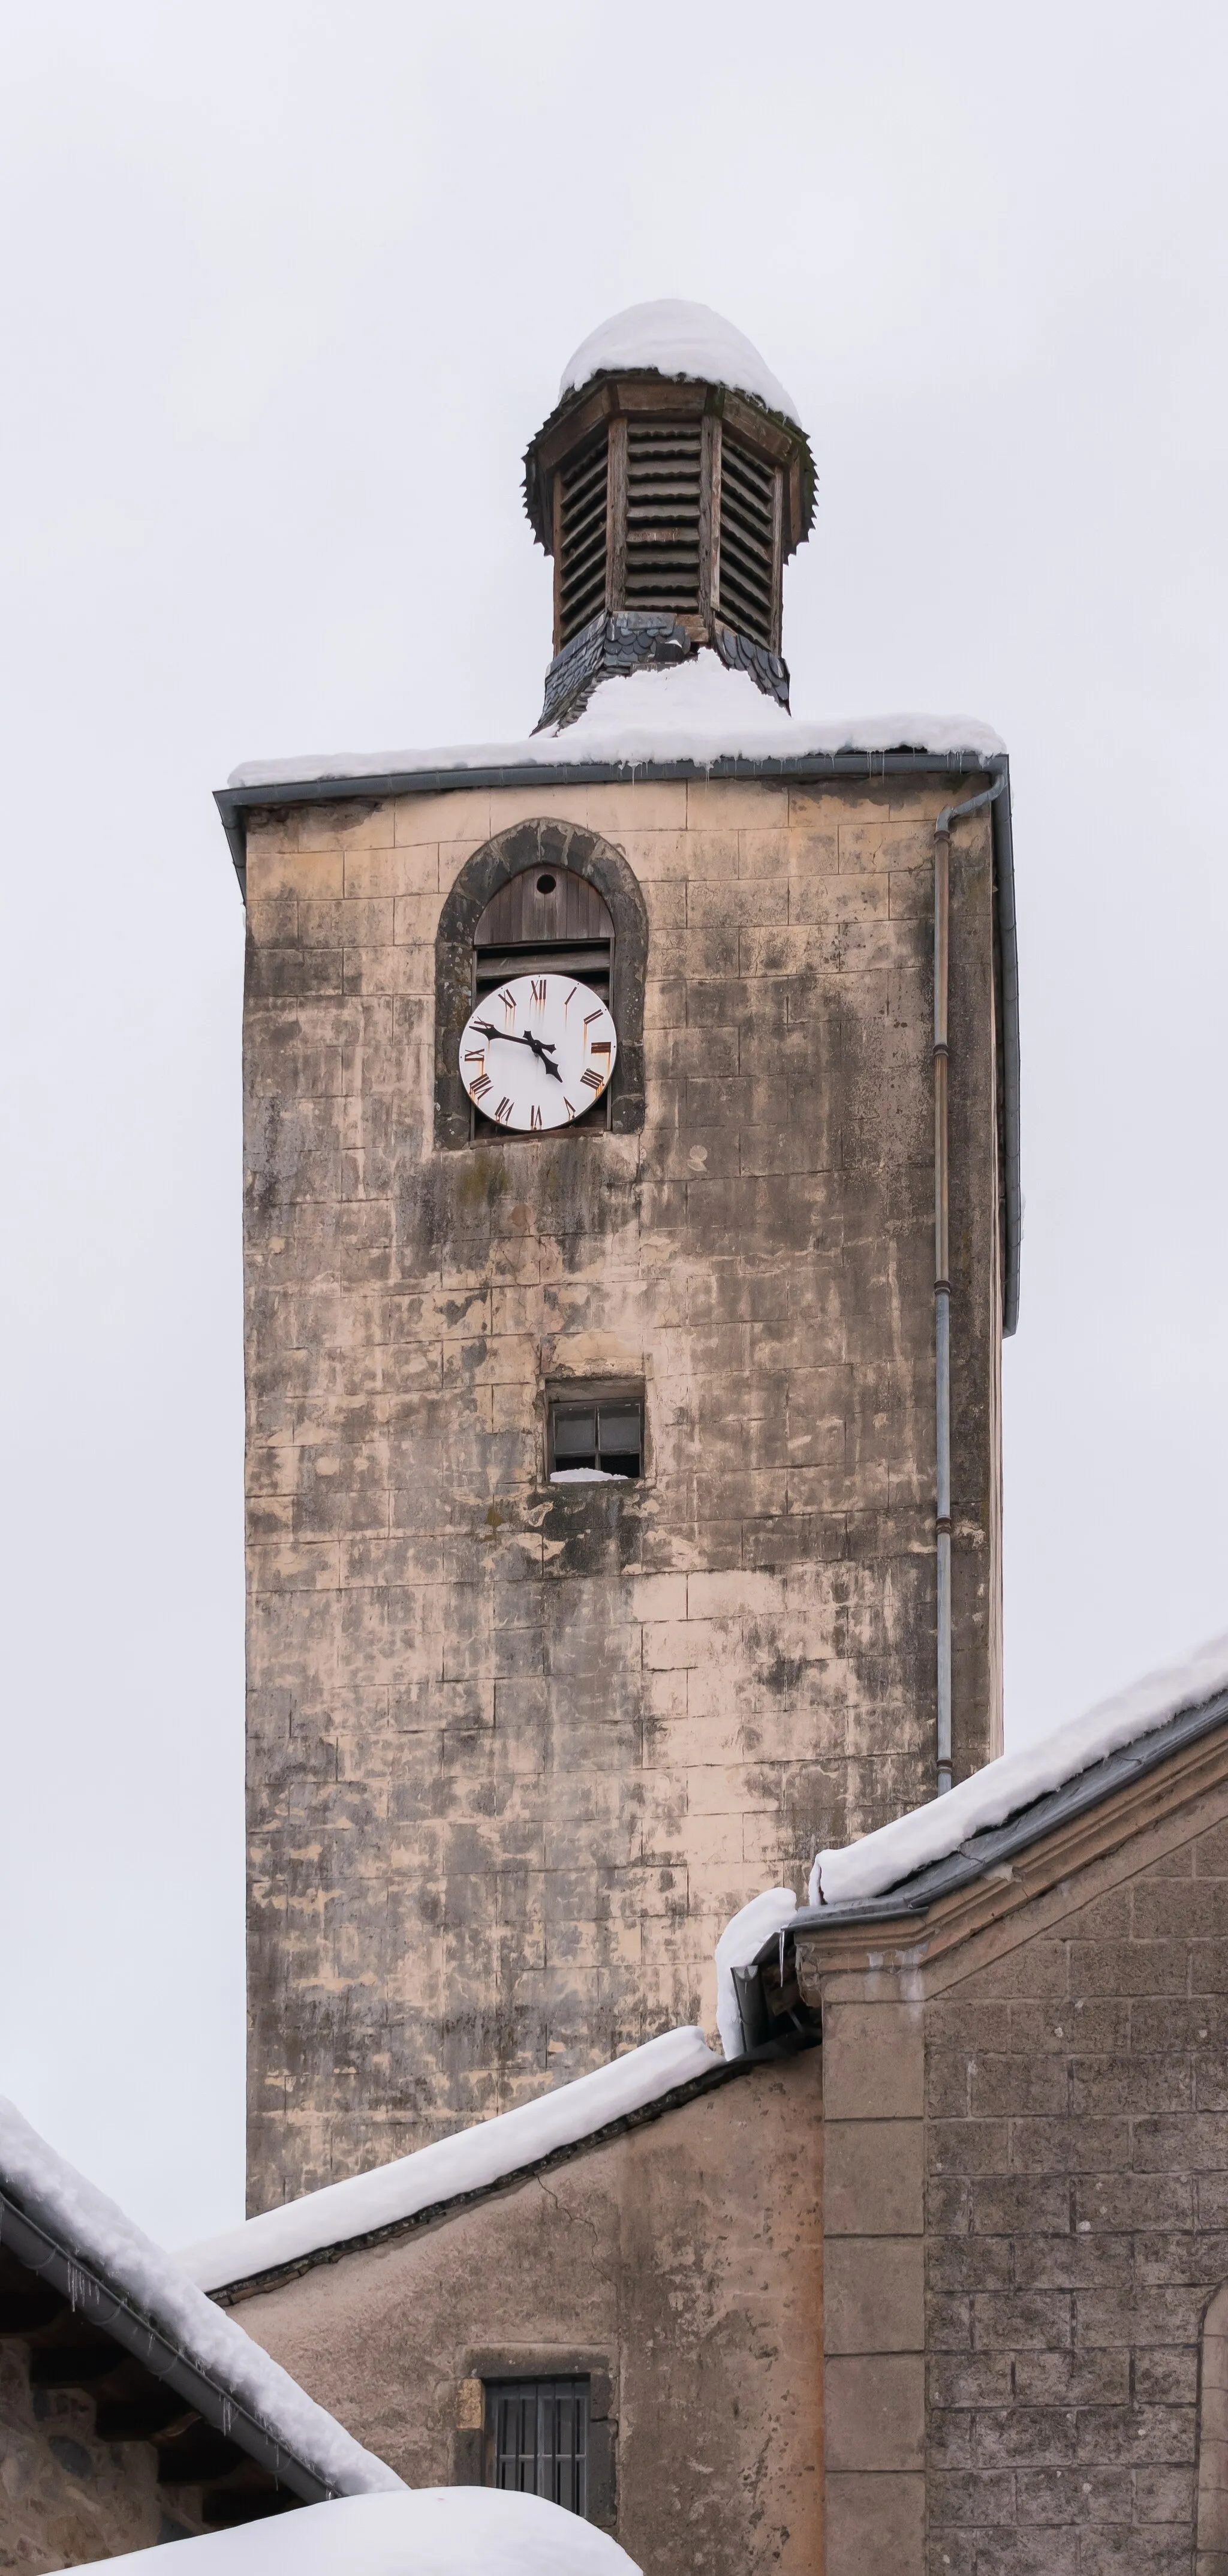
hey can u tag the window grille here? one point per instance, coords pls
(602, 1431)
(537, 2439)
(748, 506)
(582, 537)
(663, 487)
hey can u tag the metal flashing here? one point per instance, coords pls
(998, 1843)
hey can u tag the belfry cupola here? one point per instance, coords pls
(670, 484)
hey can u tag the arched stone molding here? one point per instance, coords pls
(1212, 2552)
(544, 844)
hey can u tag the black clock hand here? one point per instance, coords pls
(542, 1049)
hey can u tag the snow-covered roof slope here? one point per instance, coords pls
(92, 2229)
(678, 339)
(471, 2161)
(696, 711)
(931, 1833)
(424, 2531)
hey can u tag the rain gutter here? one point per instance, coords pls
(89, 2297)
(913, 1898)
(942, 1257)
(769, 1999)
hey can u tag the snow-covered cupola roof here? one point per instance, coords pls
(671, 484)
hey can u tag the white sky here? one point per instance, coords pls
(286, 288)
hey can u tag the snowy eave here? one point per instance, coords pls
(73, 2219)
(473, 2160)
(884, 1861)
(698, 714)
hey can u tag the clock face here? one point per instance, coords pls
(538, 1052)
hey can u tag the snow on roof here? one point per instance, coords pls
(931, 1833)
(694, 711)
(470, 2161)
(91, 2228)
(424, 2531)
(678, 339)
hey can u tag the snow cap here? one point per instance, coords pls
(931, 1833)
(424, 2531)
(678, 339)
(696, 711)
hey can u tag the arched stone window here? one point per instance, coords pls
(541, 894)
(1212, 2555)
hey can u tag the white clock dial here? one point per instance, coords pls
(538, 1052)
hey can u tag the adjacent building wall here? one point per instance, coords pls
(517, 1752)
(1042, 2114)
(680, 2265)
(65, 2497)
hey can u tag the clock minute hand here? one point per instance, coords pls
(542, 1049)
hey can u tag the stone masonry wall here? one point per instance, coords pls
(679, 2264)
(66, 2498)
(517, 1752)
(1078, 2226)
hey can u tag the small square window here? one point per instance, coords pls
(594, 1434)
(537, 2439)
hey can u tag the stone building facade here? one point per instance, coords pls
(1025, 2197)
(67, 2498)
(517, 1751)
(948, 2291)
(676, 2267)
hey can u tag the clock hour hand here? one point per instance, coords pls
(543, 1049)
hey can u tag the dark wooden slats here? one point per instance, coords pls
(591, 963)
(748, 492)
(24, 2310)
(137, 2418)
(663, 497)
(76, 2361)
(540, 905)
(582, 538)
(194, 2458)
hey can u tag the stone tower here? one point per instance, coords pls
(591, 1472)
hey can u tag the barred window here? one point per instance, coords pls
(537, 2439)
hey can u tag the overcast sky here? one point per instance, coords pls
(286, 289)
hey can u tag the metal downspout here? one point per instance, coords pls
(942, 1254)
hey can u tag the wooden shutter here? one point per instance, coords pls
(663, 496)
(749, 513)
(583, 516)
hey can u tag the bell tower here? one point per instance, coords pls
(671, 506)
(593, 1447)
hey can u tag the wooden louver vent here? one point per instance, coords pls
(663, 486)
(748, 509)
(582, 538)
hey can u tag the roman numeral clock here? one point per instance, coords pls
(538, 1051)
